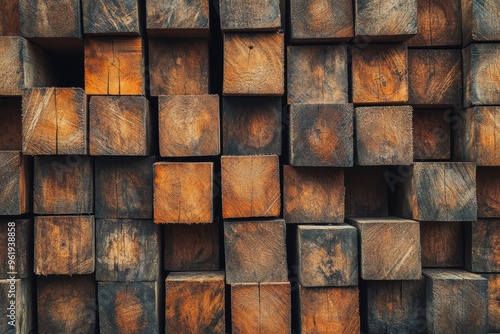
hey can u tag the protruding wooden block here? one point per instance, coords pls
(456, 300)
(178, 66)
(114, 66)
(17, 235)
(11, 126)
(116, 17)
(254, 64)
(385, 21)
(178, 18)
(251, 125)
(255, 251)
(313, 195)
(15, 183)
(442, 244)
(54, 121)
(380, 73)
(435, 77)
(119, 125)
(384, 135)
(321, 135)
(366, 193)
(431, 134)
(437, 191)
(480, 21)
(16, 302)
(183, 192)
(9, 18)
(192, 247)
(488, 190)
(66, 304)
(195, 302)
(129, 307)
(390, 248)
(189, 125)
(327, 255)
(64, 245)
(329, 310)
(493, 302)
(317, 74)
(482, 254)
(250, 186)
(261, 308)
(481, 67)
(248, 15)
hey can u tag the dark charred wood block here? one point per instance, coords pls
(431, 134)
(11, 125)
(17, 304)
(17, 235)
(367, 191)
(442, 244)
(482, 254)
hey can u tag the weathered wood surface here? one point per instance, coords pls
(488, 190)
(431, 134)
(493, 302)
(9, 18)
(111, 17)
(18, 318)
(178, 18)
(367, 192)
(11, 124)
(442, 244)
(17, 235)
(480, 21)
(482, 254)
(15, 183)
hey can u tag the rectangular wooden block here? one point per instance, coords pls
(480, 21)
(11, 124)
(389, 247)
(183, 192)
(442, 244)
(9, 18)
(189, 125)
(178, 66)
(456, 301)
(119, 125)
(317, 74)
(431, 134)
(114, 66)
(66, 304)
(261, 308)
(195, 302)
(366, 192)
(248, 15)
(250, 186)
(482, 254)
(251, 125)
(254, 64)
(493, 302)
(16, 302)
(488, 190)
(255, 251)
(313, 195)
(16, 257)
(178, 18)
(115, 17)
(15, 183)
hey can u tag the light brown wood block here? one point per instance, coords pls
(480, 21)
(442, 244)
(115, 17)
(482, 254)
(178, 18)
(17, 303)
(15, 183)
(431, 134)
(11, 124)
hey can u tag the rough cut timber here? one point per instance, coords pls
(327, 255)
(456, 301)
(313, 195)
(189, 125)
(20, 230)
(11, 124)
(22, 311)
(9, 18)
(115, 17)
(389, 248)
(127, 250)
(329, 310)
(480, 21)
(437, 191)
(493, 302)
(317, 74)
(482, 254)
(367, 192)
(183, 192)
(248, 15)
(114, 66)
(250, 186)
(380, 72)
(178, 66)
(261, 308)
(321, 21)
(66, 304)
(195, 302)
(254, 64)
(385, 21)
(255, 251)
(15, 183)
(488, 190)
(442, 244)
(54, 121)
(119, 125)
(431, 134)
(435, 77)
(63, 185)
(251, 125)
(178, 18)
(384, 135)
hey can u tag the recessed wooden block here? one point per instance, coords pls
(366, 193)
(480, 21)
(313, 195)
(442, 244)
(9, 18)
(251, 125)
(54, 121)
(384, 135)
(66, 304)
(329, 310)
(482, 254)
(390, 248)
(189, 125)
(481, 70)
(254, 64)
(488, 190)
(438, 191)
(456, 300)
(183, 192)
(11, 124)
(261, 308)
(317, 74)
(179, 18)
(493, 302)
(119, 125)
(114, 66)
(431, 134)
(250, 186)
(380, 73)
(16, 302)
(327, 255)
(255, 251)
(117, 17)
(15, 183)
(178, 66)
(195, 302)
(17, 235)
(247, 15)
(321, 135)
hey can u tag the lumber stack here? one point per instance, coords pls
(245, 166)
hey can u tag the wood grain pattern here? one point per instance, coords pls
(23, 310)
(482, 254)
(116, 17)
(179, 18)
(493, 302)
(367, 192)
(11, 124)
(248, 15)
(488, 190)
(431, 134)
(442, 244)
(9, 18)
(23, 266)
(479, 21)
(15, 183)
